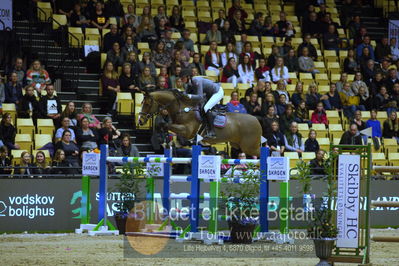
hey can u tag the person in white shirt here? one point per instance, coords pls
(394, 49)
(212, 59)
(229, 53)
(279, 71)
(246, 71)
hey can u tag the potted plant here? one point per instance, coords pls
(304, 179)
(242, 202)
(321, 229)
(130, 194)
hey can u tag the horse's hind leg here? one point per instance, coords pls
(250, 147)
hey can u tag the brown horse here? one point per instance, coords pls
(242, 130)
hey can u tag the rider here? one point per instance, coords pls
(204, 88)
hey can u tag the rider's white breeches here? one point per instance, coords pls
(214, 100)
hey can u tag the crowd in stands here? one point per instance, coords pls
(374, 87)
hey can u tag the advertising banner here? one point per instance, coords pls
(393, 30)
(278, 168)
(348, 201)
(6, 14)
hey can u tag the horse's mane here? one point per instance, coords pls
(179, 95)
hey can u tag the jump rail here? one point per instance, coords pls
(375, 203)
(385, 238)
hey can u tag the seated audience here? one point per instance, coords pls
(275, 140)
(234, 106)
(29, 106)
(5, 162)
(64, 126)
(293, 139)
(280, 72)
(311, 144)
(319, 116)
(41, 169)
(37, 77)
(391, 127)
(60, 166)
(302, 113)
(25, 169)
(87, 111)
(317, 167)
(351, 137)
(69, 147)
(245, 71)
(8, 132)
(127, 149)
(13, 90)
(86, 137)
(50, 106)
(374, 124)
(108, 135)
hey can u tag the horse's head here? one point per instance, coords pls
(149, 107)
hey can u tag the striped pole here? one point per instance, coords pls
(263, 191)
(167, 168)
(102, 203)
(195, 189)
(284, 204)
(149, 160)
(85, 201)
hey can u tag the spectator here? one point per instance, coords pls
(364, 58)
(50, 106)
(110, 85)
(307, 43)
(234, 105)
(161, 57)
(365, 103)
(77, 18)
(37, 76)
(160, 131)
(25, 168)
(29, 106)
(70, 149)
(176, 20)
(237, 23)
(65, 126)
(240, 43)
(350, 63)
(221, 18)
(8, 132)
(282, 25)
(281, 89)
(146, 31)
(197, 64)
(147, 62)
(342, 80)
(269, 29)
(127, 149)
(302, 113)
(306, 63)
(262, 73)
(108, 134)
(70, 112)
(293, 139)
(383, 50)
(237, 6)
(184, 54)
(313, 97)
(291, 61)
(213, 35)
(298, 94)
(187, 41)
(374, 124)
(134, 64)
(351, 137)
(19, 70)
(132, 13)
(146, 81)
(64, 7)
(40, 167)
(116, 55)
(226, 34)
(287, 46)
(247, 50)
(280, 72)
(286, 118)
(384, 102)
(86, 137)
(114, 8)
(228, 53)
(319, 116)
(354, 26)
(230, 73)
(258, 89)
(358, 83)
(87, 111)
(317, 164)
(349, 101)
(5, 162)
(13, 90)
(395, 94)
(162, 83)
(267, 120)
(330, 39)
(60, 166)
(271, 60)
(126, 80)
(269, 101)
(256, 27)
(146, 14)
(275, 140)
(365, 43)
(311, 144)
(333, 101)
(129, 46)
(161, 15)
(376, 84)
(391, 127)
(391, 80)
(253, 107)
(213, 60)
(322, 11)
(394, 49)
(245, 71)
(361, 34)
(312, 26)
(99, 19)
(369, 72)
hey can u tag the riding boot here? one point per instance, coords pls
(210, 132)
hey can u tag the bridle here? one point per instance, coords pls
(151, 115)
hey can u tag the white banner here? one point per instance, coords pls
(6, 14)
(155, 169)
(278, 168)
(348, 201)
(393, 30)
(91, 164)
(209, 167)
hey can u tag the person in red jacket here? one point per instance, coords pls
(237, 6)
(319, 115)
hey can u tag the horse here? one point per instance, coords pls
(242, 131)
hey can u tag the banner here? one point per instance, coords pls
(278, 168)
(348, 201)
(393, 30)
(6, 14)
(209, 167)
(91, 164)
